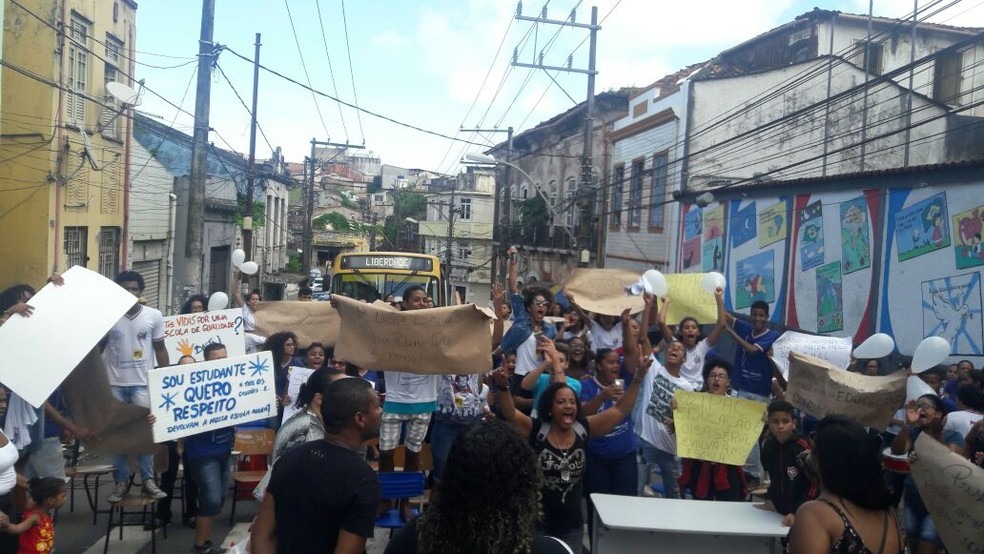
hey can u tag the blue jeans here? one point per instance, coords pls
(619, 476)
(443, 434)
(211, 473)
(669, 468)
(138, 395)
(753, 465)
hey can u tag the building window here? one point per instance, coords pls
(76, 239)
(552, 189)
(114, 49)
(524, 191)
(635, 193)
(464, 209)
(464, 252)
(872, 62)
(946, 77)
(110, 122)
(78, 71)
(109, 251)
(618, 177)
(657, 198)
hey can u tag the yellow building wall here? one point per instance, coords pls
(46, 184)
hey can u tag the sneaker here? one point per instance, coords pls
(150, 489)
(122, 487)
(207, 549)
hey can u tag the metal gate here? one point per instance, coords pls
(150, 270)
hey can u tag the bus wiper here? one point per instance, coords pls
(360, 275)
(399, 286)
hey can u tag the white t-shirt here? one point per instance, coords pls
(410, 388)
(129, 353)
(961, 421)
(601, 338)
(653, 406)
(249, 319)
(8, 477)
(693, 367)
(527, 358)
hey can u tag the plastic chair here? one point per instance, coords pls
(399, 485)
(257, 446)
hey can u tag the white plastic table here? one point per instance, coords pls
(628, 524)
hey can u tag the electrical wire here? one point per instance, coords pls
(300, 54)
(331, 71)
(348, 51)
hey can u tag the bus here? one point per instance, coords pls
(372, 276)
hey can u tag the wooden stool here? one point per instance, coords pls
(147, 506)
(92, 496)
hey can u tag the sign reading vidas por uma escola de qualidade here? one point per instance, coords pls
(194, 398)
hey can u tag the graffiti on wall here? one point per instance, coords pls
(743, 225)
(713, 249)
(952, 310)
(967, 244)
(756, 279)
(810, 242)
(693, 228)
(830, 298)
(922, 228)
(855, 236)
(773, 226)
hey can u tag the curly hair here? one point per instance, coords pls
(489, 499)
(275, 344)
(186, 307)
(530, 293)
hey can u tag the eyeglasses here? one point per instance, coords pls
(716, 377)
(541, 303)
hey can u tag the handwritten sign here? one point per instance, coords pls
(835, 350)
(454, 339)
(194, 398)
(68, 321)
(189, 334)
(716, 428)
(297, 377)
(820, 388)
(603, 291)
(689, 299)
(953, 490)
(310, 321)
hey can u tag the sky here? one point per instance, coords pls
(436, 65)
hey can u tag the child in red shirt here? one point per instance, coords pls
(36, 529)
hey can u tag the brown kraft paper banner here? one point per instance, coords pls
(310, 321)
(953, 490)
(120, 428)
(603, 291)
(820, 389)
(455, 339)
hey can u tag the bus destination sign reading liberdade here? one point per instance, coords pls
(387, 262)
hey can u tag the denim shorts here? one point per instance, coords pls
(211, 474)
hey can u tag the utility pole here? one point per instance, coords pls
(308, 242)
(449, 256)
(499, 208)
(251, 169)
(587, 188)
(372, 235)
(192, 282)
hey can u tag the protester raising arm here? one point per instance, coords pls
(549, 353)
(745, 345)
(519, 421)
(234, 287)
(601, 424)
(498, 325)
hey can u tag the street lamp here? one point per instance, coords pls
(485, 159)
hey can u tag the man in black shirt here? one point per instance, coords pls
(322, 496)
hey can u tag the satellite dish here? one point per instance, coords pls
(123, 93)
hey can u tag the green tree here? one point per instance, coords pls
(407, 202)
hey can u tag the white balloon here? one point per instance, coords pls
(238, 257)
(878, 345)
(218, 301)
(930, 352)
(249, 267)
(916, 387)
(657, 282)
(712, 281)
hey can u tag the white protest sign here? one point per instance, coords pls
(298, 376)
(835, 350)
(189, 334)
(68, 321)
(194, 398)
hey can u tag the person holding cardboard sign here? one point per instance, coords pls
(688, 332)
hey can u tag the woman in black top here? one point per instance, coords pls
(559, 437)
(488, 502)
(854, 513)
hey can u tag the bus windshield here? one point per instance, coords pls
(370, 286)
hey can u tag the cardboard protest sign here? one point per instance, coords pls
(296, 377)
(603, 291)
(120, 428)
(454, 339)
(820, 388)
(68, 320)
(716, 428)
(310, 321)
(953, 490)
(194, 398)
(688, 298)
(189, 334)
(835, 350)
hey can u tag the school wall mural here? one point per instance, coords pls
(850, 263)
